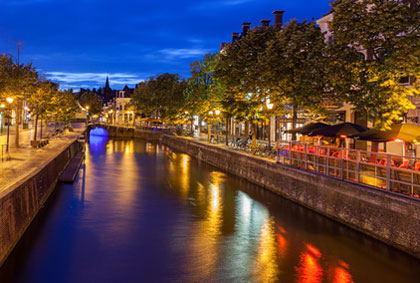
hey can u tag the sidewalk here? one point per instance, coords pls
(25, 159)
(202, 138)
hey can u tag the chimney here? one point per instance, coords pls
(235, 36)
(278, 19)
(245, 28)
(265, 23)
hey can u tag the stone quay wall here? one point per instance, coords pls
(391, 218)
(148, 134)
(20, 203)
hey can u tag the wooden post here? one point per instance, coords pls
(306, 156)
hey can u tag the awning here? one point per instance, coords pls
(402, 132)
(308, 128)
(342, 129)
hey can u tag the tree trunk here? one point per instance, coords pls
(246, 129)
(40, 132)
(294, 122)
(192, 126)
(208, 131)
(227, 131)
(17, 124)
(36, 126)
(254, 137)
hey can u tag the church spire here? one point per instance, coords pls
(107, 83)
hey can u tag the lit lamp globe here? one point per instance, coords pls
(217, 112)
(9, 99)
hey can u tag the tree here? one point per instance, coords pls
(236, 70)
(64, 106)
(161, 96)
(376, 43)
(19, 80)
(91, 101)
(203, 93)
(293, 68)
(40, 100)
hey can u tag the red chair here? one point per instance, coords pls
(383, 162)
(417, 166)
(405, 165)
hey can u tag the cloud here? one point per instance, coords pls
(182, 53)
(76, 80)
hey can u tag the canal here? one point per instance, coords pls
(139, 212)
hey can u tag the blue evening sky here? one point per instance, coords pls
(80, 42)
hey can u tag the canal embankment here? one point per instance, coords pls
(388, 217)
(26, 183)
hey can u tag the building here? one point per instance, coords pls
(116, 106)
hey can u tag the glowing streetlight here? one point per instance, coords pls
(269, 107)
(217, 112)
(10, 100)
(210, 112)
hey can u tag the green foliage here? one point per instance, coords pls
(162, 96)
(203, 93)
(376, 42)
(91, 101)
(236, 71)
(293, 67)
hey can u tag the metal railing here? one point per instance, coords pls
(399, 174)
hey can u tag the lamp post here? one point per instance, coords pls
(209, 127)
(269, 107)
(10, 100)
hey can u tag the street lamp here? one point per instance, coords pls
(10, 100)
(269, 107)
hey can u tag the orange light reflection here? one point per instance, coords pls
(342, 276)
(309, 271)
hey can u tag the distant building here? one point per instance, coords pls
(116, 106)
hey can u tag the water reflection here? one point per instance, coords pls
(266, 264)
(141, 212)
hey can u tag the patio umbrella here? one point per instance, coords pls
(343, 129)
(399, 132)
(308, 128)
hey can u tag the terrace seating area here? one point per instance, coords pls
(399, 174)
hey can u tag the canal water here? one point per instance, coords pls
(140, 212)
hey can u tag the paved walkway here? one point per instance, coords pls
(25, 159)
(202, 138)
